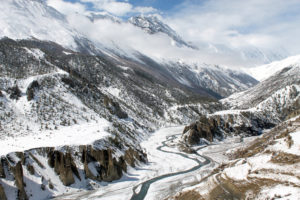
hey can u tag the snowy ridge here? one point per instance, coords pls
(281, 89)
(265, 71)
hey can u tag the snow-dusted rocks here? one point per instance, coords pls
(275, 99)
(265, 168)
(152, 25)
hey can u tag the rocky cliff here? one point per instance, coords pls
(72, 167)
(223, 124)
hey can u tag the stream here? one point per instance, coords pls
(146, 185)
(126, 189)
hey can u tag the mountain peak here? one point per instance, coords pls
(152, 25)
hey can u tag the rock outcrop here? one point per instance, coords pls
(106, 166)
(18, 174)
(114, 108)
(244, 123)
(2, 193)
(69, 163)
(63, 165)
(31, 90)
(2, 172)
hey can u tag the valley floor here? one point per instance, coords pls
(164, 158)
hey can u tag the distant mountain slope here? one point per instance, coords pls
(249, 112)
(218, 79)
(279, 93)
(265, 71)
(152, 25)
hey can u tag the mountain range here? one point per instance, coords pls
(76, 105)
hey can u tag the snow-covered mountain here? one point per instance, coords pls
(219, 80)
(75, 105)
(273, 100)
(152, 25)
(24, 19)
(280, 90)
(265, 71)
(52, 97)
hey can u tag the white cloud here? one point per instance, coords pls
(223, 30)
(145, 10)
(66, 7)
(235, 23)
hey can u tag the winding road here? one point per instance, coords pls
(146, 185)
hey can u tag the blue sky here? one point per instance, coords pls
(163, 7)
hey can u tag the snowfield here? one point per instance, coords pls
(75, 135)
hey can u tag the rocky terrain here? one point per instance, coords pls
(273, 100)
(266, 168)
(75, 106)
(52, 97)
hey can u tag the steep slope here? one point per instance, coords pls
(218, 79)
(249, 112)
(23, 19)
(278, 94)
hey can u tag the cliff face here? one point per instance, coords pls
(219, 125)
(72, 167)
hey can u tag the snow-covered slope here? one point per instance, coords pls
(266, 168)
(265, 71)
(279, 93)
(21, 19)
(273, 100)
(217, 79)
(85, 110)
